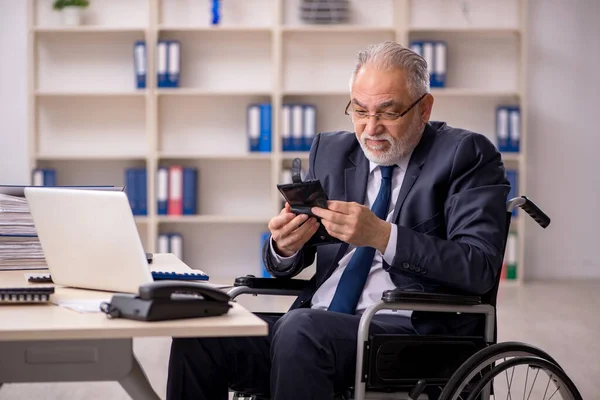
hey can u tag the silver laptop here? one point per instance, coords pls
(89, 238)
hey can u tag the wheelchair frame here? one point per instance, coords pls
(455, 304)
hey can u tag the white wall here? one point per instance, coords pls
(13, 93)
(564, 98)
(564, 137)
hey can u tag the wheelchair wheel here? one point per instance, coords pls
(472, 370)
(560, 381)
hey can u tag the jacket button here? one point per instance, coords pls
(423, 271)
(417, 269)
(405, 265)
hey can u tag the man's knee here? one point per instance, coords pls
(299, 330)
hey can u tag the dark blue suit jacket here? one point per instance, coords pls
(451, 216)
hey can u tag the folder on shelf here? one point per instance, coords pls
(502, 133)
(163, 243)
(265, 128)
(131, 189)
(297, 127)
(439, 65)
(428, 55)
(286, 127)
(511, 256)
(161, 63)
(162, 190)
(173, 63)
(512, 176)
(176, 245)
(175, 202)
(514, 139)
(43, 177)
(310, 126)
(253, 126)
(417, 47)
(139, 63)
(190, 191)
(142, 191)
(263, 237)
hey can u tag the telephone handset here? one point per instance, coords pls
(167, 300)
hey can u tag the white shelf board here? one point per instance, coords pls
(512, 157)
(218, 28)
(88, 156)
(215, 156)
(89, 29)
(346, 28)
(205, 92)
(211, 219)
(472, 92)
(464, 30)
(290, 155)
(125, 93)
(317, 92)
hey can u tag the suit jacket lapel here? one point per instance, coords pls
(414, 168)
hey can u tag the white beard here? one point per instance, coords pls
(398, 147)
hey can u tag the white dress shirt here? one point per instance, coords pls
(378, 280)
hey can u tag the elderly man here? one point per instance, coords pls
(416, 204)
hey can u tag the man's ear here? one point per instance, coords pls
(426, 107)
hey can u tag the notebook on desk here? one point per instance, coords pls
(89, 238)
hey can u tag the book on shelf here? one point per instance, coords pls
(136, 188)
(434, 53)
(259, 127)
(263, 237)
(43, 177)
(177, 190)
(510, 262)
(298, 126)
(171, 242)
(168, 63)
(139, 62)
(508, 128)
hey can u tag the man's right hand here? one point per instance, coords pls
(290, 231)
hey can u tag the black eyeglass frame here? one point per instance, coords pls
(397, 115)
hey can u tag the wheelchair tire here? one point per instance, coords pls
(485, 358)
(555, 370)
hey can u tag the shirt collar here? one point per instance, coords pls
(403, 163)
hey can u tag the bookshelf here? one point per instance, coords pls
(87, 120)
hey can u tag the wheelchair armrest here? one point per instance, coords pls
(402, 296)
(250, 284)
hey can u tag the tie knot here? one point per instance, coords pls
(387, 171)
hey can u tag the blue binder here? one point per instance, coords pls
(139, 62)
(142, 191)
(173, 63)
(162, 190)
(253, 126)
(162, 50)
(263, 236)
(131, 184)
(190, 190)
(264, 145)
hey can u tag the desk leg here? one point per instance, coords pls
(136, 383)
(75, 361)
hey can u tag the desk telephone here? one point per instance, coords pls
(166, 300)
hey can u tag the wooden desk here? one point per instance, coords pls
(41, 343)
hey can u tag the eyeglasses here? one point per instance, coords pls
(362, 117)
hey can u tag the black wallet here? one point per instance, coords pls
(302, 196)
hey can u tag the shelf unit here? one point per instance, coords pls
(89, 122)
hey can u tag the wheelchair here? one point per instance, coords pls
(437, 366)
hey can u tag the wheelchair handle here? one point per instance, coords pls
(530, 208)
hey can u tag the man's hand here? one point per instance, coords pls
(354, 224)
(290, 231)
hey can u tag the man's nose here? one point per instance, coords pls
(372, 125)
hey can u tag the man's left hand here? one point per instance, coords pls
(354, 224)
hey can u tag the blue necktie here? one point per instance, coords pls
(355, 275)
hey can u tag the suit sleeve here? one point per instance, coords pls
(290, 267)
(470, 257)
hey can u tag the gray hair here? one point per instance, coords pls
(389, 55)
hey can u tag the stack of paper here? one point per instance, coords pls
(20, 247)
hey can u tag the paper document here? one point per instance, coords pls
(81, 305)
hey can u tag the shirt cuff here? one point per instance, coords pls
(280, 260)
(390, 250)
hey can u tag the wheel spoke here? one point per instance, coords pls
(533, 384)
(547, 386)
(556, 391)
(526, 378)
(509, 384)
